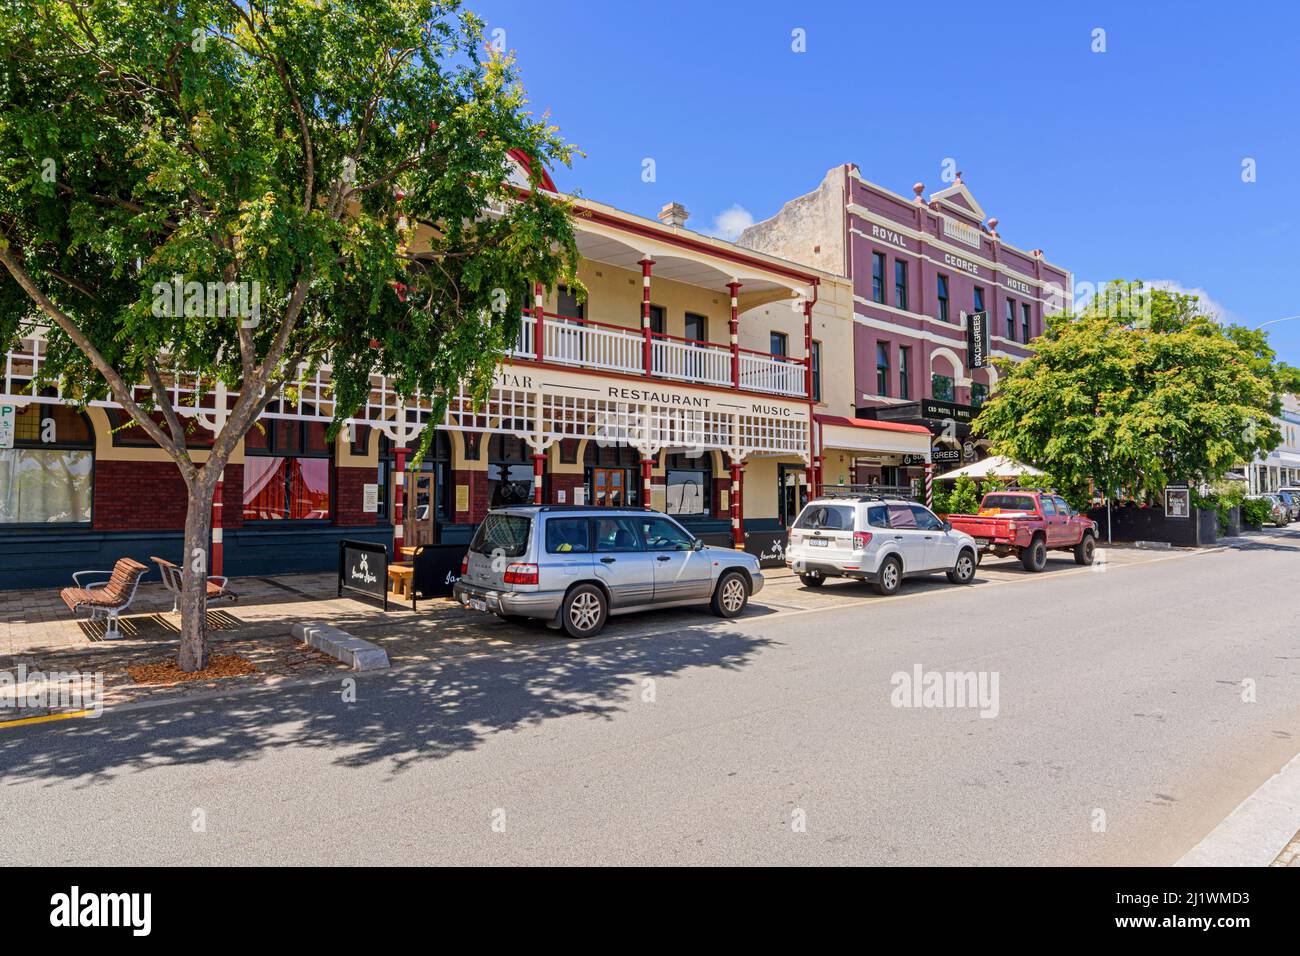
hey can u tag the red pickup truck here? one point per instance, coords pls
(1027, 524)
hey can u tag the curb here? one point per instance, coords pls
(1258, 832)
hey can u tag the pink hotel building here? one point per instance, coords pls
(916, 268)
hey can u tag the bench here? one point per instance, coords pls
(173, 581)
(400, 577)
(106, 599)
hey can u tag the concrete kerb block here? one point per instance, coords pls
(358, 654)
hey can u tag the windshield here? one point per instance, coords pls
(506, 534)
(1008, 503)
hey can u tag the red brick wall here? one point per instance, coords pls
(151, 496)
(721, 488)
(478, 495)
(349, 495)
(565, 483)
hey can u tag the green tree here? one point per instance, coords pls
(344, 165)
(1140, 389)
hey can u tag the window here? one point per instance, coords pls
(697, 327)
(900, 284)
(1048, 505)
(658, 320)
(286, 470)
(1011, 319)
(506, 535)
(904, 375)
(942, 281)
(979, 299)
(663, 535)
(617, 534)
(779, 344)
(817, 371)
(611, 475)
(510, 471)
(46, 477)
(1025, 313)
(826, 518)
(882, 368)
(1008, 503)
(877, 517)
(688, 484)
(568, 536)
(1062, 507)
(567, 304)
(979, 393)
(925, 519)
(900, 516)
(942, 387)
(878, 277)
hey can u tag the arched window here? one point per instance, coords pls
(46, 478)
(510, 471)
(286, 470)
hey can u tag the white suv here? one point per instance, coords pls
(876, 539)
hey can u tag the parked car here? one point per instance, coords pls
(1279, 513)
(1028, 524)
(574, 566)
(877, 539)
(1291, 498)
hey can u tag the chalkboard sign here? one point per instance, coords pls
(437, 568)
(767, 546)
(363, 568)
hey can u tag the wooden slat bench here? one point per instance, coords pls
(173, 581)
(106, 599)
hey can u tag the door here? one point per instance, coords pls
(568, 340)
(609, 487)
(907, 536)
(681, 572)
(568, 552)
(940, 547)
(622, 563)
(697, 329)
(1053, 522)
(792, 494)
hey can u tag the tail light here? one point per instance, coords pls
(1011, 526)
(521, 574)
(860, 540)
(464, 564)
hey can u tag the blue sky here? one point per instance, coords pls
(1126, 163)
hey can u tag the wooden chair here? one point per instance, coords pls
(173, 581)
(400, 578)
(106, 599)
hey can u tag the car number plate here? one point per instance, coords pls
(982, 542)
(478, 604)
(819, 543)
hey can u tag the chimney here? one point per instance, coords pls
(673, 214)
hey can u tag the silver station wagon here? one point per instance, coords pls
(573, 566)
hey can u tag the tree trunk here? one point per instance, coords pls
(195, 564)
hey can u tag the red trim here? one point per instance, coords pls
(526, 161)
(871, 423)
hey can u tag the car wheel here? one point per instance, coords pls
(1034, 557)
(963, 572)
(813, 579)
(584, 611)
(1086, 550)
(731, 595)
(890, 576)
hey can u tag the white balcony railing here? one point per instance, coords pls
(587, 344)
(771, 373)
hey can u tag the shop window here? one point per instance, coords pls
(510, 471)
(127, 433)
(46, 478)
(689, 485)
(287, 471)
(943, 387)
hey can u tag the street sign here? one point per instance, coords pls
(977, 340)
(8, 416)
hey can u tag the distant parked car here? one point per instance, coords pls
(876, 539)
(574, 566)
(1279, 513)
(1291, 498)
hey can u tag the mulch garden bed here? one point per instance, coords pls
(166, 672)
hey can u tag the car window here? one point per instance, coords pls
(925, 520)
(900, 516)
(568, 536)
(1062, 507)
(504, 534)
(826, 518)
(617, 534)
(1049, 506)
(1008, 502)
(877, 517)
(663, 535)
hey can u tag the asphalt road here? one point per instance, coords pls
(771, 739)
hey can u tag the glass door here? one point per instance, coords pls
(792, 493)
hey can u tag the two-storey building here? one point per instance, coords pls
(918, 268)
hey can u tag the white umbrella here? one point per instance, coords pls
(995, 466)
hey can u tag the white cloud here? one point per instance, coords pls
(731, 222)
(1207, 303)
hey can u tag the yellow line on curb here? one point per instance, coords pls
(44, 720)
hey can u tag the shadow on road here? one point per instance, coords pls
(401, 718)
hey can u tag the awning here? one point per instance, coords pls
(873, 437)
(1282, 459)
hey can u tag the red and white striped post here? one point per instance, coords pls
(218, 562)
(539, 320)
(737, 533)
(539, 468)
(647, 362)
(647, 464)
(929, 484)
(735, 333)
(807, 350)
(399, 489)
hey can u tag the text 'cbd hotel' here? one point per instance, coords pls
(719, 382)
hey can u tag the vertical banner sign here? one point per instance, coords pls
(8, 416)
(977, 340)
